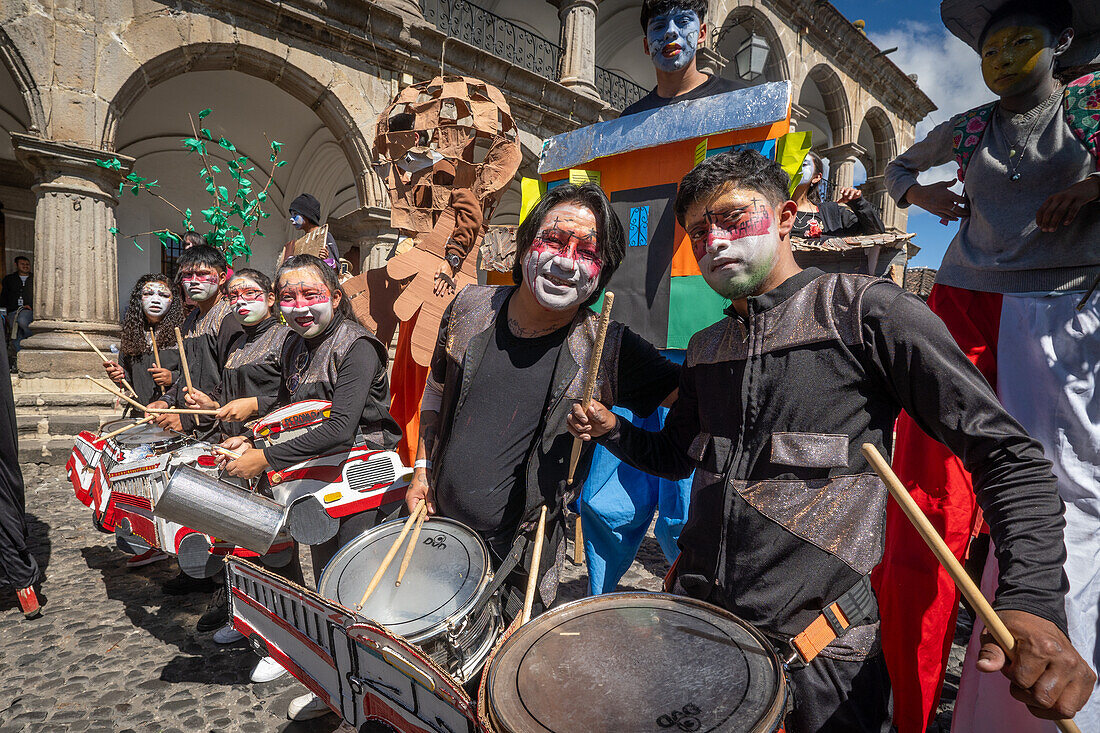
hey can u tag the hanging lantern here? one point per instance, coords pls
(751, 57)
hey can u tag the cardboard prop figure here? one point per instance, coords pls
(446, 149)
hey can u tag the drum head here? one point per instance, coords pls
(445, 573)
(146, 434)
(635, 662)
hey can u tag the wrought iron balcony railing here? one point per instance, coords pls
(477, 26)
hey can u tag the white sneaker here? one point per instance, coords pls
(266, 670)
(227, 635)
(148, 557)
(307, 707)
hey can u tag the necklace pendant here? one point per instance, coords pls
(1015, 176)
(1012, 153)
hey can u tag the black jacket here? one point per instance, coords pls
(786, 514)
(12, 288)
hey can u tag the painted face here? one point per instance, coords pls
(807, 170)
(201, 283)
(735, 238)
(305, 302)
(672, 38)
(156, 298)
(297, 221)
(249, 301)
(1015, 58)
(562, 267)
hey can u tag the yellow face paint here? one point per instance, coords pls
(1011, 55)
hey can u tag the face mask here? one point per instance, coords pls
(155, 301)
(673, 38)
(249, 304)
(306, 307)
(738, 251)
(297, 221)
(200, 287)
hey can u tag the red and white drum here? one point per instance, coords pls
(636, 662)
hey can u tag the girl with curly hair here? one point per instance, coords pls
(154, 305)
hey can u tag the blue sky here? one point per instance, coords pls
(947, 71)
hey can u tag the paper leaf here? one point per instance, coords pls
(223, 193)
(204, 113)
(206, 133)
(276, 145)
(113, 230)
(280, 164)
(224, 142)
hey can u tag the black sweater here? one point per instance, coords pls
(253, 367)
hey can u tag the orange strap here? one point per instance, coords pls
(825, 628)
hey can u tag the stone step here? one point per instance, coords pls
(51, 451)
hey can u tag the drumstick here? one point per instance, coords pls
(156, 351)
(182, 410)
(105, 359)
(420, 507)
(533, 576)
(124, 428)
(939, 548)
(590, 377)
(225, 451)
(116, 393)
(409, 550)
(183, 359)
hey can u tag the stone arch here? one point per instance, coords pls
(264, 65)
(13, 61)
(835, 99)
(753, 19)
(885, 144)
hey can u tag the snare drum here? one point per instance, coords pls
(636, 662)
(441, 604)
(140, 442)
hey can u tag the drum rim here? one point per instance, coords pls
(771, 716)
(476, 600)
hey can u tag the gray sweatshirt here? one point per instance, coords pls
(999, 248)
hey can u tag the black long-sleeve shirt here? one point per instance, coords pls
(253, 367)
(205, 343)
(137, 372)
(346, 366)
(773, 408)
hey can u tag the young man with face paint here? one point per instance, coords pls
(672, 31)
(786, 516)
(154, 306)
(1011, 290)
(508, 363)
(207, 330)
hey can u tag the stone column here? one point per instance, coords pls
(578, 45)
(75, 257)
(874, 190)
(842, 164)
(798, 116)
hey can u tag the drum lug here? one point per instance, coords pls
(355, 683)
(452, 638)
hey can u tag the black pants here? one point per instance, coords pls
(841, 697)
(17, 566)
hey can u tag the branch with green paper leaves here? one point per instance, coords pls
(234, 220)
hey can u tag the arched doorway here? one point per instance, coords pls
(249, 111)
(824, 110)
(20, 111)
(876, 136)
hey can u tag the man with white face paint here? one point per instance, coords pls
(673, 30)
(786, 515)
(508, 364)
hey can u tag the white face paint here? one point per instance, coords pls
(156, 298)
(562, 267)
(249, 301)
(305, 302)
(736, 242)
(807, 170)
(201, 284)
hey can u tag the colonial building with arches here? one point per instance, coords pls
(81, 81)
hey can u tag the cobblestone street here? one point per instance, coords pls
(113, 653)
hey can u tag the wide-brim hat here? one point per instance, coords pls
(966, 19)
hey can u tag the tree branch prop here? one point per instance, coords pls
(234, 220)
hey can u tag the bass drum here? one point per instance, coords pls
(441, 604)
(636, 662)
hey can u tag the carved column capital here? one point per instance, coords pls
(68, 168)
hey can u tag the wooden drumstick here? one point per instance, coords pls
(116, 393)
(590, 376)
(409, 550)
(156, 351)
(420, 507)
(181, 410)
(183, 359)
(124, 428)
(533, 576)
(931, 537)
(105, 359)
(225, 451)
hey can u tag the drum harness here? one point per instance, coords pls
(857, 606)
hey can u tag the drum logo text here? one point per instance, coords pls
(439, 542)
(684, 719)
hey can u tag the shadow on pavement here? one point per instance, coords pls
(40, 546)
